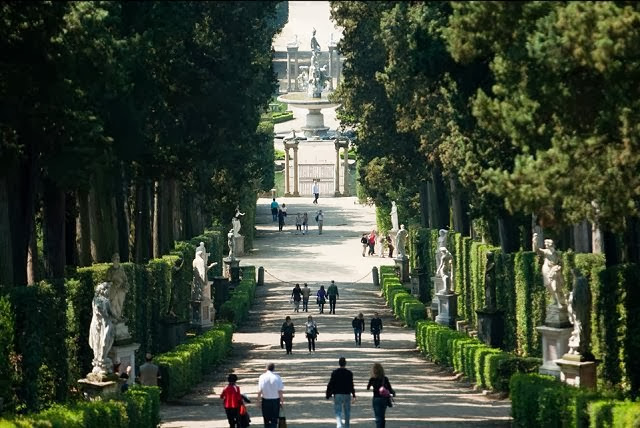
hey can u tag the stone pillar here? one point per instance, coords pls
(402, 267)
(292, 54)
(555, 343)
(375, 276)
(296, 71)
(288, 70)
(336, 181)
(295, 170)
(287, 183)
(345, 173)
(260, 276)
(338, 68)
(332, 49)
(578, 373)
(447, 309)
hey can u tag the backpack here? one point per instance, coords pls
(363, 240)
(316, 218)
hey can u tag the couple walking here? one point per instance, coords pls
(331, 293)
(288, 332)
(358, 325)
(344, 393)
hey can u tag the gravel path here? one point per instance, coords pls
(427, 395)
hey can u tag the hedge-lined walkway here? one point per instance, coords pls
(427, 395)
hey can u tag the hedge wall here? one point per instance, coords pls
(138, 407)
(236, 309)
(404, 305)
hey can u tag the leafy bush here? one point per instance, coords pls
(236, 309)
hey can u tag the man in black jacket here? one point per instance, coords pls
(376, 328)
(341, 386)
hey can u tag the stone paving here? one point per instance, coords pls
(427, 395)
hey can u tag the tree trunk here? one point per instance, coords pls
(424, 204)
(166, 231)
(142, 223)
(596, 239)
(53, 230)
(156, 220)
(83, 229)
(632, 240)
(21, 180)
(440, 201)
(6, 254)
(122, 220)
(103, 229)
(580, 237)
(611, 248)
(460, 209)
(71, 218)
(168, 219)
(508, 233)
(177, 220)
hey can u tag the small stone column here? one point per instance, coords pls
(295, 73)
(288, 70)
(345, 173)
(338, 68)
(332, 49)
(295, 169)
(336, 182)
(287, 183)
(292, 54)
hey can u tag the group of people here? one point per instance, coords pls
(370, 240)
(279, 214)
(340, 387)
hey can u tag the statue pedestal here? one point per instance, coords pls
(491, 327)
(424, 292)
(438, 286)
(231, 270)
(122, 332)
(557, 317)
(97, 390)
(202, 312)
(220, 291)
(402, 265)
(126, 355)
(581, 374)
(555, 343)
(173, 333)
(238, 241)
(447, 309)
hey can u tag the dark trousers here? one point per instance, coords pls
(288, 342)
(332, 304)
(372, 249)
(312, 342)
(270, 412)
(305, 304)
(232, 417)
(376, 337)
(315, 201)
(379, 405)
(358, 334)
(274, 213)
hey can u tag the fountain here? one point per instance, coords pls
(314, 81)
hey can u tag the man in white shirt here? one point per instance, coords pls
(271, 390)
(315, 191)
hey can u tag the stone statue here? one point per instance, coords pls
(442, 242)
(119, 286)
(200, 269)
(394, 216)
(101, 331)
(401, 239)
(235, 221)
(232, 245)
(205, 255)
(579, 313)
(551, 271)
(315, 46)
(318, 76)
(445, 269)
(489, 281)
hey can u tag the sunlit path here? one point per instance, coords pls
(427, 395)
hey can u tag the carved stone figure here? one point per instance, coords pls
(101, 331)
(318, 75)
(232, 245)
(401, 240)
(579, 313)
(489, 281)
(394, 216)
(551, 271)
(235, 221)
(119, 286)
(445, 269)
(315, 46)
(442, 242)
(200, 269)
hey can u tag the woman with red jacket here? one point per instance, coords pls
(232, 401)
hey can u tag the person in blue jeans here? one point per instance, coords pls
(358, 328)
(341, 387)
(382, 392)
(274, 209)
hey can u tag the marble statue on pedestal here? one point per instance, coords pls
(119, 286)
(235, 221)
(445, 269)
(200, 269)
(489, 282)
(101, 331)
(442, 243)
(551, 271)
(394, 216)
(232, 245)
(401, 240)
(579, 314)
(318, 75)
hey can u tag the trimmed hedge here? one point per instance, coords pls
(615, 414)
(236, 309)
(184, 366)
(404, 305)
(138, 407)
(488, 367)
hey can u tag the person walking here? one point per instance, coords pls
(316, 191)
(232, 399)
(358, 328)
(311, 329)
(365, 243)
(296, 296)
(305, 223)
(274, 209)
(334, 295)
(288, 332)
(321, 298)
(281, 215)
(320, 220)
(389, 245)
(381, 242)
(382, 392)
(341, 387)
(298, 223)
(271, 391)
(371, 240)
(149, 372)
(306, 291)
(376, 329)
